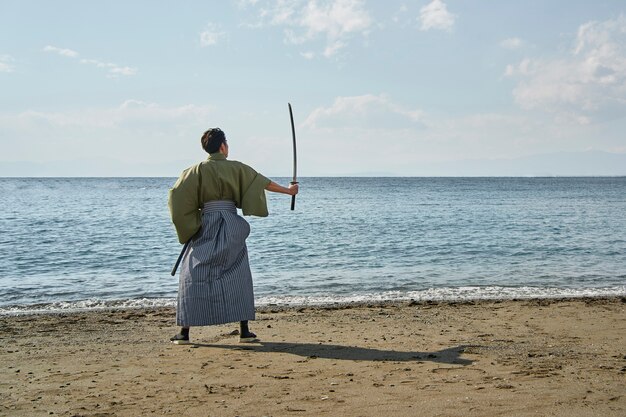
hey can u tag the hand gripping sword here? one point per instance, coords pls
(294, 179)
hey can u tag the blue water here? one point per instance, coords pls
(93, 242)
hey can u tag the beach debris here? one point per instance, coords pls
(288, 408)
(505, 386)
(276, 376)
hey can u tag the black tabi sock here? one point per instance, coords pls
(243, 326)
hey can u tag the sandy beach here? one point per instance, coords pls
(483, 358)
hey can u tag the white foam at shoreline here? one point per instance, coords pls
(431, 294)
(87, 305)
(450, 294)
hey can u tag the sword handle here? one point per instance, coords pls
(180, 257)
(293, 197)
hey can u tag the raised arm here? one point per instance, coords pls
(276, 188)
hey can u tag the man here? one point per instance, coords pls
(215, 282)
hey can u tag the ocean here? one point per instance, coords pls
(92, 243)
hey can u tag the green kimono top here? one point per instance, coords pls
(215, 179)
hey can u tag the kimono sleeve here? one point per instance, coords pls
(253, 201)
(184, 204)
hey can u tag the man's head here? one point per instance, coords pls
(214, 140)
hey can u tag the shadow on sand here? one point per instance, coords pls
(353, 353)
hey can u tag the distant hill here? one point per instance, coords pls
(590, 163)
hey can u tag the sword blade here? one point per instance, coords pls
(295, 157)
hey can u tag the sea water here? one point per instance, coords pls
(87, 243)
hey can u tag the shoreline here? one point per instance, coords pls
(560, 357)
(68, 307)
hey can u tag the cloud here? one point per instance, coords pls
(129, 113)
(132, 130)
(6, 63)
(113, 70)
(211, 35)
(333, 48)
(61, 51)
(512, 43)
(403, 9)
(373, 131)
(116, 70)
(364, 133)
(334, 22)
(586, 83)
(363, 112)
(435, 15)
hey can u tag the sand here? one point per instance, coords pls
(487, 358)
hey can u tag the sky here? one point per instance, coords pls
(389, 87)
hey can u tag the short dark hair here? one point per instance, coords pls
(212, 139)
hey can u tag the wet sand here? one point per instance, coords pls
(486, 358)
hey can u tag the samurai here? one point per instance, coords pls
(215, 281)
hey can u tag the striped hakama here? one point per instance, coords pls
(215, 284)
